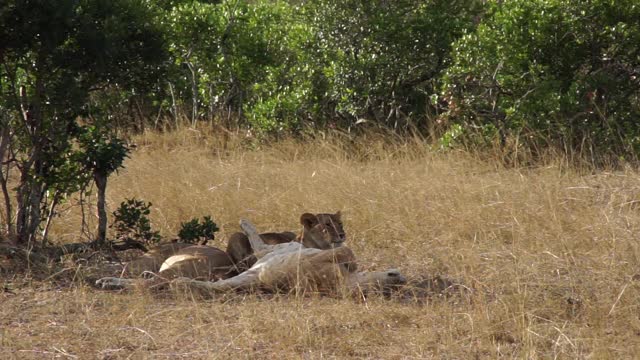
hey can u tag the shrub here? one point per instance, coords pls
(131, 222)
(382, 60)
(193, 231)
(560, 73)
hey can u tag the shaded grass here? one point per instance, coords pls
(551, 253)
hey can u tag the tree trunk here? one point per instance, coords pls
(35, 216)
(28, 216)
(50, 214)
(101, 183)
(31, 169)
(4, 151)
(174, 106)
(194, 94)
(4, 178)
(8, 210)
(211, 103)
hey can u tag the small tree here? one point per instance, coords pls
(102, 155)
(53, 55)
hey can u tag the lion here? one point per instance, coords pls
(201, 262)
(322, 231)
(290, 266)
(152, 260)
(173, 260)
(319, 231)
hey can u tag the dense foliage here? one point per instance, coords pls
(523, 75)
(555, 72)
(278, 66)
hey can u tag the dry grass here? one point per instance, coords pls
(550, 252)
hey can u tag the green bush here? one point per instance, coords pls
(280, 100)
(221, 51)
(131, 222)
(382, 60)
(193, 231)
(559, 73)
(283, 66)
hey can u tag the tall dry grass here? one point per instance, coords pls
(551, 253)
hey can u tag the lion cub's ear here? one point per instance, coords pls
(337, 215)
(308, 220)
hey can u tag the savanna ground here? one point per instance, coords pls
(551, 253)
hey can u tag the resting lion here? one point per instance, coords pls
(290, 266)
(320, 231)
(201, 262)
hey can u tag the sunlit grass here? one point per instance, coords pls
(550, 253)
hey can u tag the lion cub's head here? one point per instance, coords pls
(322, 231)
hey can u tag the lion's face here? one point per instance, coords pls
(322, 231)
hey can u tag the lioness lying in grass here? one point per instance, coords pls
(322, 231)
(290, 266)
